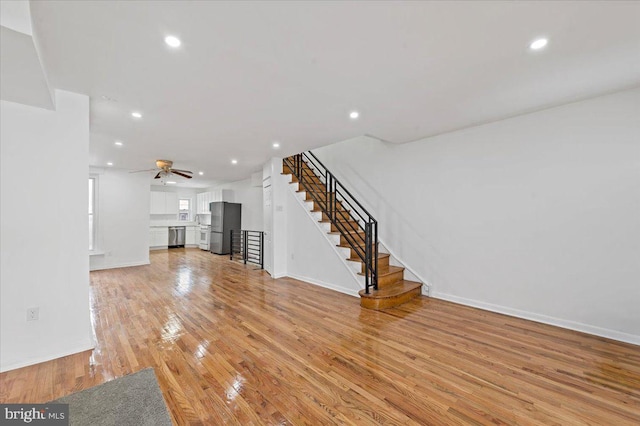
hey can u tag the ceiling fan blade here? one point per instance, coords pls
(158, 175)
(181, 174)
(183, 171)
(140, 171)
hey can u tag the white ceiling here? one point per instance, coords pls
(250, 73)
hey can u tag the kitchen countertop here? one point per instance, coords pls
(173, 223)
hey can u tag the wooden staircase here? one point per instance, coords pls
(393, 289)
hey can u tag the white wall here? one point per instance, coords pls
(123, 219)
(536, 216)
(310, 255)
(44, 234)
(251, 199)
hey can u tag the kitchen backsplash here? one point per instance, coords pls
(204, 219)
(161, 217)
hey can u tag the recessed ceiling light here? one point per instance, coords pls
(276, 144)
(172, 41)
(109, 163)
(354, 114)
(170, 182)
(538, 44)
(200, 173)
(234, 161)
(118, 143)
(136, 114)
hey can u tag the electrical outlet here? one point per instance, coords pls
(33, 314)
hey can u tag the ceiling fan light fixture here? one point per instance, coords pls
(164, 169)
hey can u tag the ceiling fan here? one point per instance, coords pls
(164, 169)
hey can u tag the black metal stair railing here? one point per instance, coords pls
(248, 246)
(356, 226)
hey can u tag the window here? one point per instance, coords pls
(92, 215)
(184, 209)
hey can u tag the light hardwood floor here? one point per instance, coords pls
(231, 345)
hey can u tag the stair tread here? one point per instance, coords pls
(357, 259)
(348, 246)
(392, 270)
(318, 209)
(392, 290)
(347, 232)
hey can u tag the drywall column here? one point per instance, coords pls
(44, 238)
(275, 218)
(122, 239)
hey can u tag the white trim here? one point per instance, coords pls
(167, 247)
(121, 265)
(427, 288)
(38, 360)
(339, 251)
(96, 253)
(350, 292)
(532, 316)
(97, 234)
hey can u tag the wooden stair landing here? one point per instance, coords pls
(390, 295)
(393, 289)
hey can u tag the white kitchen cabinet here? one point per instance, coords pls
(171, 203)
(192, 234)
(158, 200)
(163, 202)
(203, 199)
(158, 236)
(202, 204)
(206, 202)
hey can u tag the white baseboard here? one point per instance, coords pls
(120, 265)
(37, 360)
(558, 322)
(349, 291)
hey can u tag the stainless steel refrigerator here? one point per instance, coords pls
(224, 217)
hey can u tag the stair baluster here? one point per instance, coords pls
(334, 201)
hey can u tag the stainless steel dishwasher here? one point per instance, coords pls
(176, 236)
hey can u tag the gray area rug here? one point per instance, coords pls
(135, 399)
